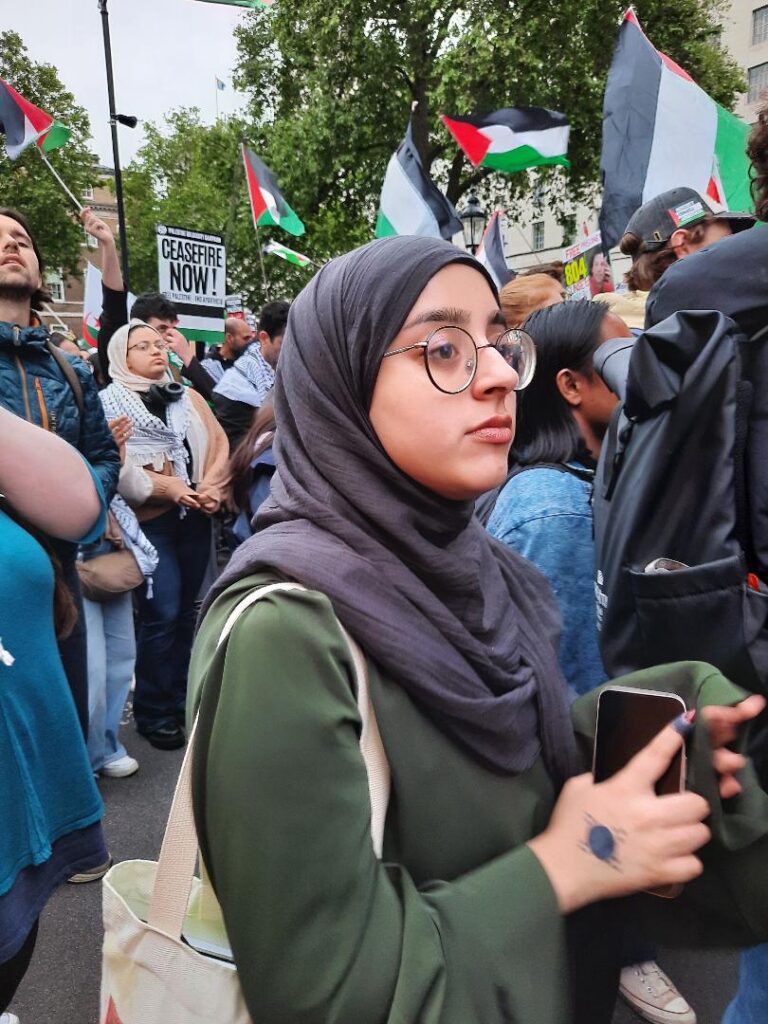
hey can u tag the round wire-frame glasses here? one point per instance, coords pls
(450, 357)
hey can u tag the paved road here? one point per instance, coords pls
(62, 984)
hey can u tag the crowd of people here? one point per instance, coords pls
(415, 466)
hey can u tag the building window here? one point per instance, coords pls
(88, 192)
(54, 282)
(758, 82)
(760, 25)
(538, 235)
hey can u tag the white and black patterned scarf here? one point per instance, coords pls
(152, 442)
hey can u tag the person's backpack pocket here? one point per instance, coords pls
(705, 612)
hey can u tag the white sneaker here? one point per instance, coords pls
(651, 994)
(8, 1018)
(120, 768)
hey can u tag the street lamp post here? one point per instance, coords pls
(130, 122)
(473, 220)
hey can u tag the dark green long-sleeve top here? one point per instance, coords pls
(458, 923)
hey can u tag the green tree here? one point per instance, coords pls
(330, 88)
(190, 175)
(25, 183)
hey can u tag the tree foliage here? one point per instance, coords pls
(330, 89)
(25, 183)
(190, 175)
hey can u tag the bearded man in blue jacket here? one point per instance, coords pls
(35, 386)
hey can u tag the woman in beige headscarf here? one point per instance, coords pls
(177, 442)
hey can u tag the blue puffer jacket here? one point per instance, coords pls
(33, 386)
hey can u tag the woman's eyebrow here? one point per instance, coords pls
(448, 315)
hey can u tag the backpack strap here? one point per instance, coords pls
(69, 373)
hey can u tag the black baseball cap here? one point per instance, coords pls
(656, 221)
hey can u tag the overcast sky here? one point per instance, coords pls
(166, 54)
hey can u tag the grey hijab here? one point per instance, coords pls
(466, 626)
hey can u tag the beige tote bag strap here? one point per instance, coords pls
(178, 854)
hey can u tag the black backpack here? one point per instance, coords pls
(683, 478)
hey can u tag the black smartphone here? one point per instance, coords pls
(627, 720)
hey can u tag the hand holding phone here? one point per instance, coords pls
(618, 837)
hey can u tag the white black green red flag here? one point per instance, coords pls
(268, 206)
(512, 139)
(491, 252)
(23, 123)
(661, 131)
(289, 255)
(411, 203)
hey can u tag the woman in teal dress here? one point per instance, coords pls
(50, 808)
(493, 899)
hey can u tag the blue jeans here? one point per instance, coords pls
(166, 622)
(111, 660)
(751, 1003)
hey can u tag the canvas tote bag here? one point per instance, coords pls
(150, 975)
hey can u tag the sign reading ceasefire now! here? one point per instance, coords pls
(192, 266)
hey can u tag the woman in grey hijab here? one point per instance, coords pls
(395, 404)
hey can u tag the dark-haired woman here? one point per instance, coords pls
(395, 408)
(183, 451)
(251, 468)
(544, 510)
(50, 808)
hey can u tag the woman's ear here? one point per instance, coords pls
(569, 384)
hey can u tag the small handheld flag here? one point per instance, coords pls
(411, 203)
(491, 252)
(22, 123)
(267, 203)
(290, 255)
(512, 139)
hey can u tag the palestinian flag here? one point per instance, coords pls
(661, 131)
(411, 203)
(290, 255)
(267, 203)
(253, 4)
(22, 124)
(92, 301)
(491, 252)
(512, 139)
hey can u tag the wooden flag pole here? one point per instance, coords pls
(78, 205)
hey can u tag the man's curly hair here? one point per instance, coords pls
(757, 151)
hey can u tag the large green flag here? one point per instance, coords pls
(253, 4)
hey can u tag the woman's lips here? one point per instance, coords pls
(493, 435)
(496, 430)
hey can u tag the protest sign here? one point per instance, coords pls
(192, 273)
(587, 270)
(234, 307)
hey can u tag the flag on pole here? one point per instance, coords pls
(267, 203)
(411, 203)
(92, 304)
(290, 255)
(253, 4)
(92, 299)
(219, 84)
(512, 139)
(22, 123)
(661, 131)
(491, 252)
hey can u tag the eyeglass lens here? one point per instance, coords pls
(451, 357)
(145, 346)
